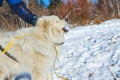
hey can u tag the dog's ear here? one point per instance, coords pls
(42, 23)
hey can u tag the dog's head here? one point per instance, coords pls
(53, 27)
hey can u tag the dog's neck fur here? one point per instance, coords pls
(38, 41)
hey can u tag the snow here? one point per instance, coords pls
(91, 53)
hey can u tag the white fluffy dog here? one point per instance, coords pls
(35, 50)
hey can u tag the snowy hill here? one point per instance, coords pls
(91, 53)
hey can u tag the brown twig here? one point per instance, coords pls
(111, 73)
(68, 14)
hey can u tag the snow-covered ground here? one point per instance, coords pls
(91, 52)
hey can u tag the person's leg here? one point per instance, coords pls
(1, 1)
(20, 9)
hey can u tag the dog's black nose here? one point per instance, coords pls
(66, 19)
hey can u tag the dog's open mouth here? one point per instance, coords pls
(66, 28)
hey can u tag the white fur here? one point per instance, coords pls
(35, 51)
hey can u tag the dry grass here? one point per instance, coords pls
(80, 13)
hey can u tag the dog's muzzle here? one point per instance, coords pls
(66, 28)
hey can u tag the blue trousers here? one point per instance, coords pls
(20, 9)
(1, 1)
(10, 2)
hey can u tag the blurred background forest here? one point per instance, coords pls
(78, 12)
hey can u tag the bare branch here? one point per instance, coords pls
(118, 7)
(68, 14)
(111, 73)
